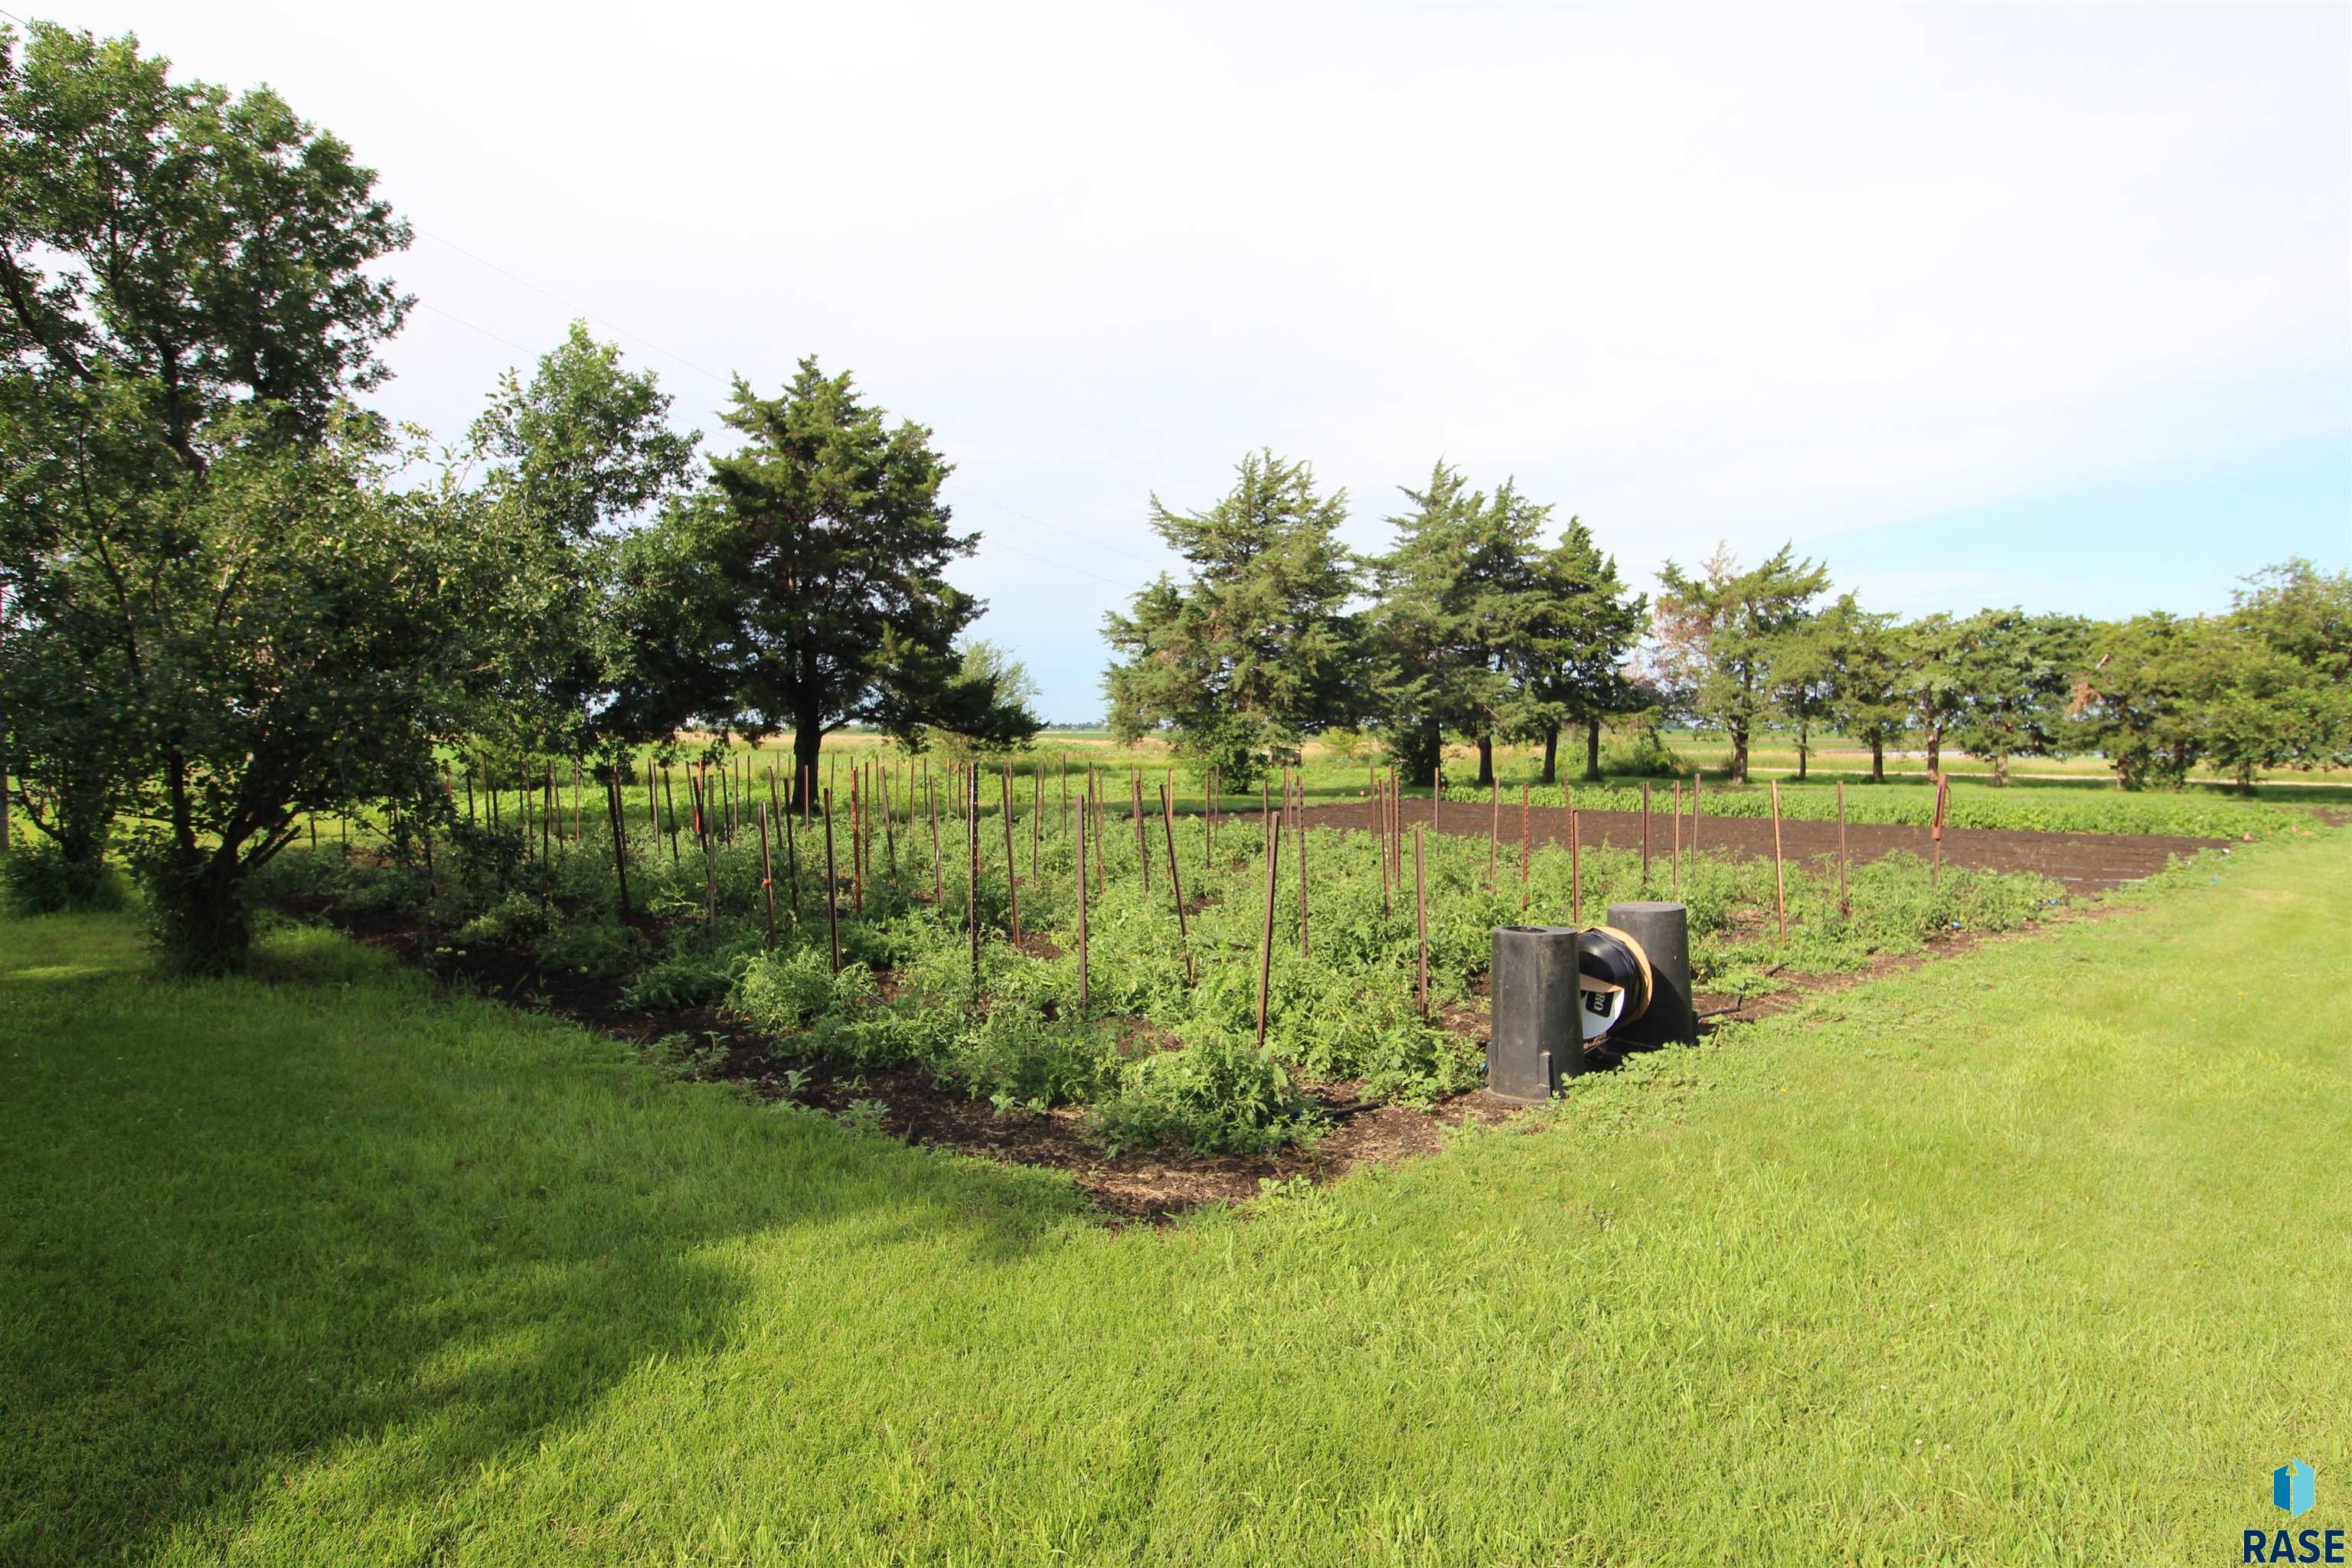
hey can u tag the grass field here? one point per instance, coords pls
(2036, 1255)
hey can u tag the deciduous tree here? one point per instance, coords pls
(1717, 630)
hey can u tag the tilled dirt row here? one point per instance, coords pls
(2081, 862)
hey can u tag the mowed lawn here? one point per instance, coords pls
(2042, 1253)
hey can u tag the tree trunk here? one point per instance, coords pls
(1739, 753)
(1592, 750)
(1878, 759)
(808, 745)
(2001, 770)
(1934, 753)
(1486, 761)
(1804, 751)
(1551, 754)
(200, 901)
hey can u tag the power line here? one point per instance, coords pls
(1049, 561)
(1057, 528)
(581, 310)
(494, 337)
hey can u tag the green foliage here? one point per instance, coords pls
(2015, 674)
(804, 587)
(1221, 1095)
(574, 457)
(1018, 1056)
(989, 709)
(1569, 654)
(39, 879)
(694, 974)
(1457, 605)
(599, 949)
(1719, 630)
(1250, 652)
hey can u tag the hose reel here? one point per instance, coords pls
(1567, 999)
(1612, 981)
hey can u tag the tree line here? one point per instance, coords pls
(1477, 626)
(236, 598)
(232, 603)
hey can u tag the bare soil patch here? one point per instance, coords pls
(2081, 862)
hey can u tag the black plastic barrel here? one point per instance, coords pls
(1534, 1041)
(1664, 931)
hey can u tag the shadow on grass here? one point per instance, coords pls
(256, 1234)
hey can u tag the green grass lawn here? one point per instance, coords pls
(2042, 1253)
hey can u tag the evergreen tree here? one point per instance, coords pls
(1254, 649)
(2015, 671)
(1801, 677)
(2135, 700)
(1567, 662)
(804, 587)
(1457, 618)
(1866, 699)
(1717, 630)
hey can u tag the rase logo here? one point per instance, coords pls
(2293, 1490)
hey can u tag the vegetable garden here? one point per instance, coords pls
(1150, 969)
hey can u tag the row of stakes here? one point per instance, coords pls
(716, 812)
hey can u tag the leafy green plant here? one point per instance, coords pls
(600, 949)
(40, 880)
(1218, 1096)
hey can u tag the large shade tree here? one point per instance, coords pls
(193, 525)
(290, 635)
(1252, 649)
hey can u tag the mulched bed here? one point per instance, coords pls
(2082, 862)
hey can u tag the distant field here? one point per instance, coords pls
(2068, 795)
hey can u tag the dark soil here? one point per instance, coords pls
(2082, 862)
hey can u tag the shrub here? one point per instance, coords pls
(39, 880)
(783, 991)
(693, 977)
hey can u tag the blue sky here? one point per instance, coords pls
(1981, 305)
